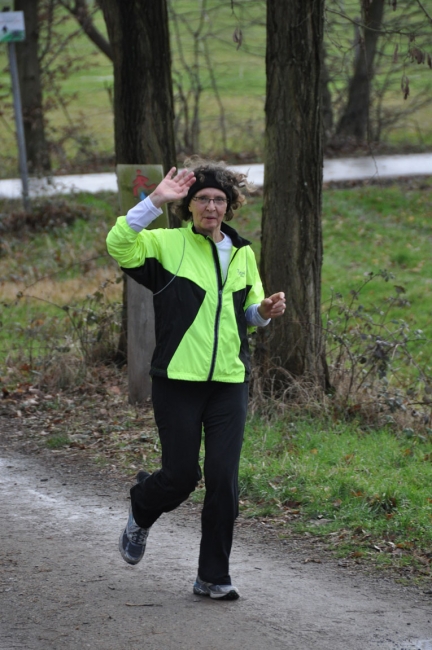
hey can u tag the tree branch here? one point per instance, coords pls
(428, 16)
(80, 11)
(360, 23)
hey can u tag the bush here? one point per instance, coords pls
(43, 217)
(375, 360)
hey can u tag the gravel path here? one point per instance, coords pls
(64, 585)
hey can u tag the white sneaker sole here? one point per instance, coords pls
(233, 594)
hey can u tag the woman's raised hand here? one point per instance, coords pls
(173, 187)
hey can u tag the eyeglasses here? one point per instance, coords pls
(219, 201)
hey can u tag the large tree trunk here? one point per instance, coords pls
(354, 121)
(31, 90)
(143, 100)
(291, 255)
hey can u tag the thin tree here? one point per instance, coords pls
(291, 255)
(355, 118)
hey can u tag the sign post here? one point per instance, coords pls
(135, 183)
(12, 29)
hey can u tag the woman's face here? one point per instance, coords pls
(207, 215)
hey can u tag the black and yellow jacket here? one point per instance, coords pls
(201, 329)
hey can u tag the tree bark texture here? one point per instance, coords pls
(291, 255)
(143, 99)
(38, 159)
(354, 121)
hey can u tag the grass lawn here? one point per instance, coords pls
(367, 229)
(362, 488)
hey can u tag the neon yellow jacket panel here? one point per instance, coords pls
(201, 330)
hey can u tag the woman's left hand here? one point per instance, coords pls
(273, 307)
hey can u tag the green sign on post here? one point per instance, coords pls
(135, 182)
(12, 26)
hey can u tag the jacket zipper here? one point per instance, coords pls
(219, 304)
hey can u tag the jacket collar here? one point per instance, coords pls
(236, 239)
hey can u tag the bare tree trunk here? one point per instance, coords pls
(291, 255)
(143, 100)
(31, 90)
(355, 118)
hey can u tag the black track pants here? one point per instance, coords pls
(182, 409)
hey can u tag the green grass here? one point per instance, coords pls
(368, 229)
(27, 323)
(376, 480)
(57, 441)
(88, 117)
(358, 491)
(43, 272)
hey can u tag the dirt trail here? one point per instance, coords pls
(64, 585)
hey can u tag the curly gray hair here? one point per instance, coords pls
(210, 173)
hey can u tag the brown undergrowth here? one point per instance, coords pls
(376, 373)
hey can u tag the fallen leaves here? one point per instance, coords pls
(95, 418)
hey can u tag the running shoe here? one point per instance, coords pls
(132, 542)
(222, 592)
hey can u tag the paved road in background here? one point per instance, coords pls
(340, 169)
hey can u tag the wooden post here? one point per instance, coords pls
(135, 183)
